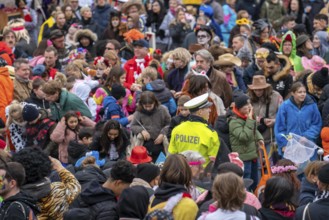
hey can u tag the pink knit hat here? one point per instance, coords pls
(315, 63)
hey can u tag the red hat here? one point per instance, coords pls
(139, 155)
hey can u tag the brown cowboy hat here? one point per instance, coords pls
(258, 82)
(130, 3)
(194, 48)
(228, 60)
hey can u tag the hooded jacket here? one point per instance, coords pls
(99, 201)
(304, 121)
(294, 59)
(22, 89)
(12, 208)
(317, 210)
(114, 111)
(41, 103)
(163, 94)
(282, 80)
(7, 91)
(274, 12)
(186, 208)
(68, 102)
(90, 173)
(54, 198)
(307, 192)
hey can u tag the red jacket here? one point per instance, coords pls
(133, 71)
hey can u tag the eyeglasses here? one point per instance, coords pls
(202, 36)
(109, 48)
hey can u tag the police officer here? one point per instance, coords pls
(195, 133)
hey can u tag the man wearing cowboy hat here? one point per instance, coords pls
(195, 134)
(227, 63)
(135, 10)
(204, 64)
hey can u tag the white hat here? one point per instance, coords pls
(198, 102)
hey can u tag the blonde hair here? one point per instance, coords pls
(21, 34)
(313, 168)
(111, 55)
(89, 161)
(182, 54)
(84, 9)
(61, 78)
(229, 192)
(149, 72)
(15, 107)
(58, 13)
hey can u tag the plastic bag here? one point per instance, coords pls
(299, 149)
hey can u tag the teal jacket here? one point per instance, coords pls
(68, 102)
(244, 137)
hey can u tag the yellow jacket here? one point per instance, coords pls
(195, 135)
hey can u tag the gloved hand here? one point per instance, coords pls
(161, 34)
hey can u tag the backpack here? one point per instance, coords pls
(26, 210)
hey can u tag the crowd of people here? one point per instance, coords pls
(130, 109)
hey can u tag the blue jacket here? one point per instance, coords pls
(305, 122)
(114, 111)
(101, 16)
(163, 94)
(239, 80)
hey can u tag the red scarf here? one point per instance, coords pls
(236, 111)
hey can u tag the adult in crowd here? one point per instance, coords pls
(299, 115)
(320, 22)
(304, 46)
(22, 83)
(15, 204)
(101, 14)
(265, 102)
(75, 8)
(205, 66)
(200, 137)
(115, 29)
(60, 24)
(296, 9)
(6, 86)
(88, 21)
(62, 101)
(179, 28)
(69, 15)
(9, 37)
(321, 45)
(53, 198)
(278, 73)
(100, 201)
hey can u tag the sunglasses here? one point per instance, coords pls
(202, 36)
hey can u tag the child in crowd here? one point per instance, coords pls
(38, 127)
(102, 67)
(16, 127)
(113, 141)
(67, 130)
(183, 115)
(113, 105)
(37, 96)
(79, 148)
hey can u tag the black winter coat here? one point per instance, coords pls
(95, 202)
(88, 174)
(317, 210)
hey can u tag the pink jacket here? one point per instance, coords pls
(63, 136)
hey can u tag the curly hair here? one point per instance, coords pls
(123, 170)
(35, 162)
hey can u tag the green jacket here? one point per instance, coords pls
(68, 102)
(244, 137)
(295, 60)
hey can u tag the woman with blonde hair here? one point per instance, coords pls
(179, 28)
(172, 194)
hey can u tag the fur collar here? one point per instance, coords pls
(284, 71)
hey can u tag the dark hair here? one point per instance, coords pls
(85, 133)
(114, 76)
(196, 84)
(147, 97)
(105, 142)
(176, 171)
(321, 17)
(40, 51)
(64, 7)
(6, 32)
(216, 50)
(287, 19)
(36, 163)
(19, 62)
(296, 86)
(272, 57)
(52, 49)
(14, 171)
(123, 170)
(69, 115)
(116, 43)
(277, 190)
(37, 82)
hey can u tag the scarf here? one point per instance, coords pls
(284, 209)
(236, 111)
(20, 79)
(321, 195)
(149, 113)
(140, 63)
(230, 78)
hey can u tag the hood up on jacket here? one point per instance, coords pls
(157, 85)
(285, 70)
(94, 193)
(295, 60)
(88, 174)
(39, 189)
